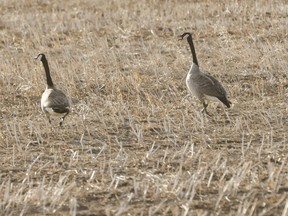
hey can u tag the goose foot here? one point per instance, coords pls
(205, 105)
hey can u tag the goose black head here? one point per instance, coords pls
(184, 34)
(40, 56)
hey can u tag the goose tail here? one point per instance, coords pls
(225, 101)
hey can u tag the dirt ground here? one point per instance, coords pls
(136, 142)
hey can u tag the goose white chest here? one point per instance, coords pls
(191, 82)
(45, 100)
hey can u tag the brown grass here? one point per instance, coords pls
(134, 144)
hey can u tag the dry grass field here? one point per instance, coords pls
(135, 142)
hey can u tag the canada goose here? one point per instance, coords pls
(203, 85)
(53, 100)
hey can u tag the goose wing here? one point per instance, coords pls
(210, 86)
(58, 101)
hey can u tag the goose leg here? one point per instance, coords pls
(205, 105)
(62, 119)
(48, 116)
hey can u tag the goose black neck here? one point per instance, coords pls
(47, 71)
(190, 41)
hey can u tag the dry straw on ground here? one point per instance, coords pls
(134, 144)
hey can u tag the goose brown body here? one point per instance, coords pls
(53, 100)
(202, 85)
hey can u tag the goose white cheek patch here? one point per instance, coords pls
(39, 57)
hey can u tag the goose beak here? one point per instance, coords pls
(181, 37)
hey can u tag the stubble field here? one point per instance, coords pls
(135, 143)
